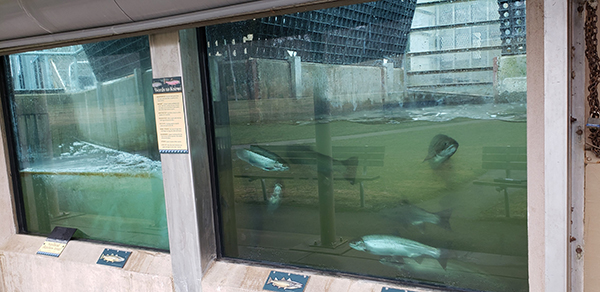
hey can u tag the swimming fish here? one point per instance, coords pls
(285, 284)
(172, 82)
(298, 154)
(441, 148)
(157, 84)
(112, 258)
(411, 215)
(262, 160)
(398, 248)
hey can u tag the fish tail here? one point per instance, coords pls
(444, 216)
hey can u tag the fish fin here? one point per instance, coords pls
(443, 258)
(397, 260)
(421, 228)
(429, 156)
(445, 218)
(419, 260)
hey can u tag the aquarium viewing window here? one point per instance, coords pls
(385, 139)
(84, 133)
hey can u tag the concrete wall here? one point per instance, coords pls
(75, 270)
(512, 79)
(263, 87)
(117, 114)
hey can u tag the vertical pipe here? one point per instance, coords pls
(295, 76)
(324, 160)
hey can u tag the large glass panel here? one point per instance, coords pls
(385, 139)
(83, 118)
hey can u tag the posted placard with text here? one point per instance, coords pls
(170, 116)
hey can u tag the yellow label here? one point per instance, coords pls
(170, 121)
(52, 247)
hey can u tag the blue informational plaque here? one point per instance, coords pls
(388, 289)
(279, 281)
(113, 257)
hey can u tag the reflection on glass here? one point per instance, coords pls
(86, 142)
(384, 139)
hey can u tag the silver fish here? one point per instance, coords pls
(260, 160)
(398, 248)
(411, 215)
(112, 258)
(441, 148)
(285, 284)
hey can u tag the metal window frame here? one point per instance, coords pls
(549, 248)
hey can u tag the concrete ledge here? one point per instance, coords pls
(236, 277)
(76, 269)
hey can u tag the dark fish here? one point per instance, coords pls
(398, 248)
(411, 215)
(299, 154)
(441, 148)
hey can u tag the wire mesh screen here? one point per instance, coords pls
(340, 35)
(117, 58)
(512, 26)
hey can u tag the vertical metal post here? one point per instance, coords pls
(324, 160)
(186, 177)
(577, 152)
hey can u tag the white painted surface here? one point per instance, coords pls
(547, 144)
(556, 121)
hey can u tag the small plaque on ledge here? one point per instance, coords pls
(387, 289)
(56, 241)
(280, 281)
(113, 257)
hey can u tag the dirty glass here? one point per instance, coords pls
(384, 139)
(83, 122)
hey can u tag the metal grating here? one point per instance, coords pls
(512, 26)
(341, 35)
(117, 58)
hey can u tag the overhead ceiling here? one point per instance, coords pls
(30, 23)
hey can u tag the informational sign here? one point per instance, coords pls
(280, 281)
(56, 241)
(170, 117)
(113, 258)
(387, 289)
